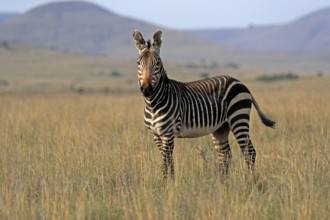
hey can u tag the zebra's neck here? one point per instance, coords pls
(161, 89)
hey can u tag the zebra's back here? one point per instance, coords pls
(207, 104)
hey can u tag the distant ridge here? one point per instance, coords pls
(86, 28)
(6, 16)
(75, 26)
(309, 33)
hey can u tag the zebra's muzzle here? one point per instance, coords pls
(146, 91)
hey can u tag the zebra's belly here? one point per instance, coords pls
(194, 132)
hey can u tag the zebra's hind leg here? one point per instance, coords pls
(239, 122)
(222, 148)
(247, 149)
(166, 145)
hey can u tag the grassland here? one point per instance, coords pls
(69, 155)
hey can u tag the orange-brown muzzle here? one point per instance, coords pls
(145, 80)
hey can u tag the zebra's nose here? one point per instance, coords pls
(142, 89)
(146, 90)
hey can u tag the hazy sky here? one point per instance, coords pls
(197, 14)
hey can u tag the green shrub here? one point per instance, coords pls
(278, 77)
(116, 74)
(4, 82)
(205, 75)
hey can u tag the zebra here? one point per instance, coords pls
(217, 105)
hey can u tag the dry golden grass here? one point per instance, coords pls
(67, 156)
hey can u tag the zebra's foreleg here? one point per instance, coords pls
(166, 145)
(222, 148)
(158, 142)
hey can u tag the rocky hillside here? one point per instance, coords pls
(309, 33)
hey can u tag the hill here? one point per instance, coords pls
(309, 33)
(6, 16)
(86, 28)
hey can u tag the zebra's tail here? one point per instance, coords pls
(263, 117)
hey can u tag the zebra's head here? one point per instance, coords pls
(149, 63)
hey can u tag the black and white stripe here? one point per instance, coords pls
(175, 109)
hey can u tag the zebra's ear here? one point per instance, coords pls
(157, 41)
(139, 41)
